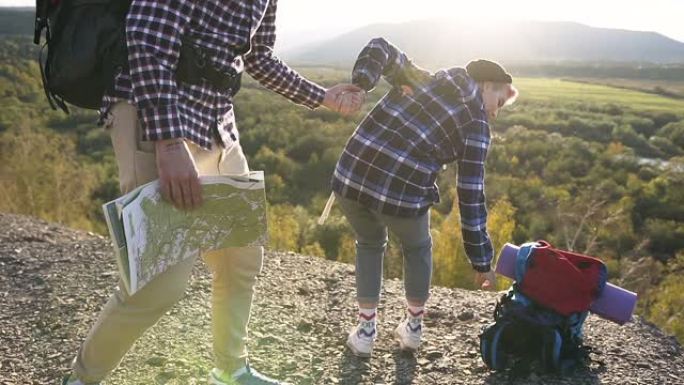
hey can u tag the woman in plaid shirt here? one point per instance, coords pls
(385, 177)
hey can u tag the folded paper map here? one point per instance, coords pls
(149, 235)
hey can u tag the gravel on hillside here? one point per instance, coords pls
(53, 282)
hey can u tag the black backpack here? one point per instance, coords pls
(526, 335)
(86, 48)
(539, 321)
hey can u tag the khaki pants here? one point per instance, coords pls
(124, 318)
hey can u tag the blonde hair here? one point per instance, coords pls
(509, 91)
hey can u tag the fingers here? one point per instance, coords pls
(183, 193)
(177, 195)
(487, 281)
(165, 189)
(196, 192)
(350, 102)
(359, 97)
(178, 177)
(347, 105)
(490, 281)
(188, 202)
(345, 99)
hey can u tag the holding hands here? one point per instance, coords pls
(345, 99)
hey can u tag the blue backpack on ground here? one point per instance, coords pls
(526, 334)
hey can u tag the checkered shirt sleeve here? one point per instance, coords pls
(471, 197)
(153, 30)
(263, 65)
(380, 58)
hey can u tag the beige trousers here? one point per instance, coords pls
(124, 318)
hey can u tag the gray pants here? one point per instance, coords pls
(371, 242)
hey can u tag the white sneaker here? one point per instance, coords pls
(409, 335)
(71, 380)
(244, 376)
(360, 343)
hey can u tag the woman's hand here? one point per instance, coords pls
(487, 281)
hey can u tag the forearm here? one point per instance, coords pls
(472, 202)
(476, 241)
(264, 65)
(276, 76)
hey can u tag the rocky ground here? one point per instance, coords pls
(54, 280)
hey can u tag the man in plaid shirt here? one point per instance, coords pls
(165, 127)
(385, 177)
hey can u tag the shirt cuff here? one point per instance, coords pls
(483, 268)
(313, 98)
(362, 81)
(161, 123)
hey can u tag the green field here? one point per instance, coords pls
(671, 88)
(558, 91)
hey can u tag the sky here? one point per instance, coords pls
(307, 20)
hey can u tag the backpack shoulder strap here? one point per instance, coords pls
(40, 22)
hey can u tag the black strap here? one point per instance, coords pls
(40, 20)
(194, 66)
(54, 100)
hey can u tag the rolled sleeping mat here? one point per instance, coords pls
(614, 304)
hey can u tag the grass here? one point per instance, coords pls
(673, 87)
(564, 92)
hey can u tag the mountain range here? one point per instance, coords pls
(441, 42)
(436, 43)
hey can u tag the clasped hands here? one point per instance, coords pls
(345, 99)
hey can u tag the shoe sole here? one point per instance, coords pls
(402, 346)
(356, 352)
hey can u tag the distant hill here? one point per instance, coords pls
(438, 43)
(16, 21)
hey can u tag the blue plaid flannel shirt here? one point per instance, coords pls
(390, 163)
(225, 29)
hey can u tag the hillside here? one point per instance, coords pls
(439, 43)
(55, 280)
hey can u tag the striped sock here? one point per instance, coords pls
(414, 314)
(367, 320)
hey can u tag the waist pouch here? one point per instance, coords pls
(194, 67)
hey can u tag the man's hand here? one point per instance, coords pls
(178, 176)
(487, 281)
(345, 99)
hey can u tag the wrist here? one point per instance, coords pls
(166, 142)
(169, 145)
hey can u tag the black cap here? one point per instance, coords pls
(488, 71)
